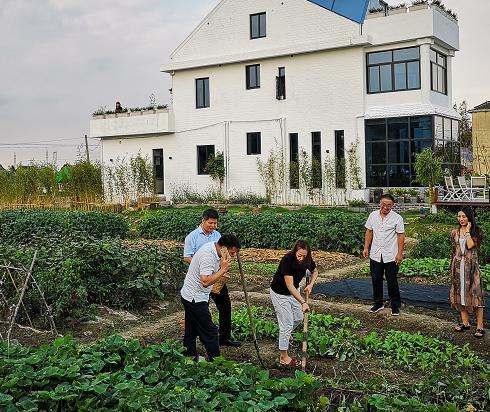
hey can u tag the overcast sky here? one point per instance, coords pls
(63, 59)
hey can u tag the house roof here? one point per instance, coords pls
(484, 107)
(410, 109)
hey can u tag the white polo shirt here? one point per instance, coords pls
(205, 262)
(385, 240)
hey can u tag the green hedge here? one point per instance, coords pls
(22, 227)
(331, 231)
(73, 275)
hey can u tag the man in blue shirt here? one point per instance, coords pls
(206, 232)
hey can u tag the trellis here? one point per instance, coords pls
(20, 279)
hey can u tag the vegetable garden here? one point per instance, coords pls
(357, 362)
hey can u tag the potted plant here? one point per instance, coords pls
(376, 12)
(428, 169)
(399, 195)
(413, 194)
(400, 8)
(357, 205)
(419, 5)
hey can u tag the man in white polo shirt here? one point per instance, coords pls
(207, 266)
(383, 243)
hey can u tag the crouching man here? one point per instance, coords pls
(207, 266)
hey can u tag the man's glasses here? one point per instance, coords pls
(386, 206)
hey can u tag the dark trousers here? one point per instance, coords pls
(223, 304)
(390, 271)
(198, 322)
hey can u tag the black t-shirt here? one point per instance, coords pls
(289, 266)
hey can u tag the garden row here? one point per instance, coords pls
(333, 230)
(429, 358)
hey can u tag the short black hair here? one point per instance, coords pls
(229, 241)
(388, 196)
(210, 214)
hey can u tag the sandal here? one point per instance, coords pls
(293, 363)
(479, 333)
(461, 327)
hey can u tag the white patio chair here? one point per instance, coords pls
(478, 185)
(465, 190)
(452, 192)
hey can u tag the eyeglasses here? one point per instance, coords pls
(386, 206)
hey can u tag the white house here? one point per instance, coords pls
(296, 79)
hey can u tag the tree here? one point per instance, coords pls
(216, 168)
(428, 169)
(465, 132)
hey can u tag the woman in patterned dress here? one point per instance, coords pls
(466, 293)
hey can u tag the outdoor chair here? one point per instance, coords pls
(465, 190)
(452, 192)
(478, 186)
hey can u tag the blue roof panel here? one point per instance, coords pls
(354, 10)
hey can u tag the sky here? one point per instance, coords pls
(63, 59)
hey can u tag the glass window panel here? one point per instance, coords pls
(421, 127)
(398, 152)
(455, 126)
(413, 69)
(376, 176)
(447, 129)
(400, 76)
(199, 93)
(433, 79)
(457, 152)
(374, 79)
(398, 128)
(418, 146)
(399, 175)
(376, 153)
(375, 129)
(254, 26)
(433, 56)
(386, 81)
(438, 128)
(447, 152)
(441, 60)
(262, 31)
(440, 79)
(380, 57)
(406, 54)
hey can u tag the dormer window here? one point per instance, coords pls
(257, 25)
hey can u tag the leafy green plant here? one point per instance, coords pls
(121, 375)
(333, 230)
(357, 203)
(434, 245)
(428, 169)
(216, 168)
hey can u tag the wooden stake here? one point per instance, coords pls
(305, 327)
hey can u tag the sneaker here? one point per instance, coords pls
(395, 311)
(376, 308)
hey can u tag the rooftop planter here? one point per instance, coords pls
(419, 5)
(400, 8)
(135, 111)
(448, 12)
(373, 13)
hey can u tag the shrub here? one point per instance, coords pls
(81, 272)
(332, 231)
(23, 227)
(435, 245)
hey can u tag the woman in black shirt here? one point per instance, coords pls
(286, 296)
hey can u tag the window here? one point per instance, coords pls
(316, 159)
(393, 70)
(438, 74)
(339, 159)
(203, 155)
(392, 145)
(253, 143)
(257, 25)
(253, 76)
(158, 170)
(281, 84)
(293, 161)
(202, 93)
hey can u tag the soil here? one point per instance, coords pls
(163, 320)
